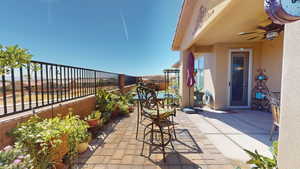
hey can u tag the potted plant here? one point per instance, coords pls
(84, 143)
(46, 141)
(78, 134)
(124, 109)
(131, 108)
(116, 110)
(93, 119)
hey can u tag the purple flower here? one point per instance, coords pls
(17, 161)
(8, 148)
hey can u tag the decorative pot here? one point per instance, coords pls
(61, 150)
(82, 147)
(93, 122)
(131, 109)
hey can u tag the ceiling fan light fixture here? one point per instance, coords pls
(272, 35)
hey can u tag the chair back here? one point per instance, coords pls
(275, 107)
(148, 101)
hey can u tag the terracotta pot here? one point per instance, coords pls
(93, 122)
(82, 147)
(130, 109)
(116, 112)
(61, 150)
(60, 165)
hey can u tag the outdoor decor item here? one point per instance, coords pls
(283, 11)
(260, 91)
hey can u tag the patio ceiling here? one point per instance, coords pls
(238, 16)
(228, 19)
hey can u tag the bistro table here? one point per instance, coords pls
(161, 96)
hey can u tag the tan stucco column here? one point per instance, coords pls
(289, 132)
(186, 93)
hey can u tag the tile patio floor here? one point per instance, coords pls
(117, 148)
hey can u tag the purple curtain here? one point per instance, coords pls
(190, 70)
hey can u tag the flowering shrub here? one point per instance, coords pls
(14, 158)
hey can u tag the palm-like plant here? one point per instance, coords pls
(13, 57)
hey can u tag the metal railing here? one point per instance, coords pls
(24, 89)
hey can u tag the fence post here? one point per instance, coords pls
(121, 82)
(95, 81)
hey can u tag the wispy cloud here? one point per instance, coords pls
(49, 15)
(124, 25)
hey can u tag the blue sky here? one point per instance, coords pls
(125, 36)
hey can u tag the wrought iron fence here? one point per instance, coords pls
(25, 88)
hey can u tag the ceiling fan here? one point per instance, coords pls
(266, 30)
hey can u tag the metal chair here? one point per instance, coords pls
(164, 107)
(161, 120)
(275, 108)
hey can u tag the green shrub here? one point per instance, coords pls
(38, 137)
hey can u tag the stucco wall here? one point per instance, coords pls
(210, 76)
(271, 60)
(222, 64)
(267, 55)
(289, 135)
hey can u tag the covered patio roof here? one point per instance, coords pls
(217, 23)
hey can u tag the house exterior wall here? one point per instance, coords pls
(267, 55)
(289, 135)
(271, 60)
(216, 70)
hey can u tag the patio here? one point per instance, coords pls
(237, 129)
(117, 147)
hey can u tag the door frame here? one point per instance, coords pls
(249, 78)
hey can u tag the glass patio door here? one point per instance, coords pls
(239, 80)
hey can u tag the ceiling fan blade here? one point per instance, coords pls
(252, 38)
(246, 33)
(265, 23)
(256, 37)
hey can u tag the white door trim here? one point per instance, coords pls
(249, 79)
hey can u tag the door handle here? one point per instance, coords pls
(229, 84)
